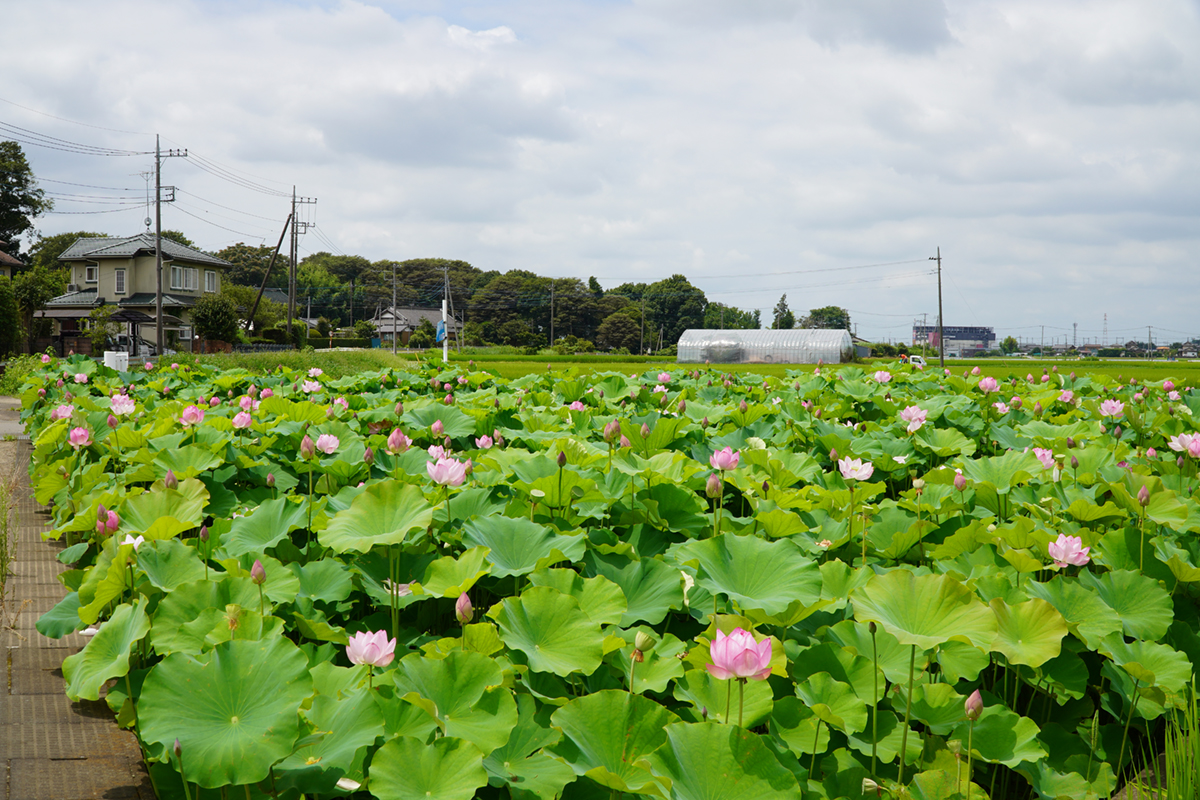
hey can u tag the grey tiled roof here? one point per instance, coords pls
(87, 297)
(147, 299)
(129, 246)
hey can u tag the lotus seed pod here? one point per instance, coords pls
(644, 642)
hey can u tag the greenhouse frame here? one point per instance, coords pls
(770, 346)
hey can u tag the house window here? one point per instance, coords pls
(91, 274)
(185, 278)
(210, 280)
(119, 280)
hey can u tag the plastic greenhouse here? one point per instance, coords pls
(795, 346)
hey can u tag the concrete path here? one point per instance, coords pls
(49, 747)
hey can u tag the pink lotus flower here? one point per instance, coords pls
(373, 649)
(1067, 396)
(1173, 395)
(327, 443)
(1000, 406)
(45, 358)
(315, 372)
(136, 541)
(149, 366)
(854, 469)
(266, 393)
(61, 412)
(1045, 456)
(1068, 550)
(1029, 377)
(122, 405)
(1151, 453)
(660, 389)
(975, 371)
(725, 459)
(577, 406)
(915, 416)
(308, 387)
(462, 381)
(342, 403)
(447, 471)
(1045, 379)
(80, 377)
(484, 442)
(664, 377)
(738, 655)
(1168, 385)
(883, 376)
(437, 428)
(1112, 408)
(988, 384)
(397, 442)
(437, 451)
(191, 416)
(242, 420)
(80, 437)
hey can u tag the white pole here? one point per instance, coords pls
(445, 335)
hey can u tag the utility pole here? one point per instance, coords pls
(552, 312)
(159, 155)
(642, 335)
(299, 228)
(393, 308)
(1149, 343)
(1043, 345)
(941, 323)
(1075, 335)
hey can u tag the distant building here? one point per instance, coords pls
(961, 340)
(8, 264)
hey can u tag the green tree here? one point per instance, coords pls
(363, 329)
(423, 336)
(179, 237)
(101, 327)
(47, 249)
(250, 265)
(33, 288)
(828, 318)
(268, 313)
(618, 330)
(21, 199)
(1009, 346)
(10, 317)
(216, 317)
(311, 275)
(719, 316)
(672, 306)
(784, 318)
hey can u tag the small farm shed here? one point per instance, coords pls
(795, 346)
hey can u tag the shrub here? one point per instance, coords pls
(216, 317)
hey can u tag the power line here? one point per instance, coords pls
(73, 122)
(227, 208)
(27, 136)
(222, 227)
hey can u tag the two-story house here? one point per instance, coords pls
(121, 272)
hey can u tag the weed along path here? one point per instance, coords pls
(49, 746)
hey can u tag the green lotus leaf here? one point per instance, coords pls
(1028, 633)
(106, 581)
(842, 664)
(651, 587)
(233, 709)
(187, 461)
(925, 610)
(834, 702)
(713, 695)
(402, 718)
(346, 725)
(961, 661)
(706, 760)
(892, 657)
(550, 630)
(450, 576)
(167, 563)
(1143, 606)
(107, 654)
(754, 573)
(608, 733)
(1086, 614)
(462, 693)
(891, 739)
(601, 599)
(327, 580)
(455, 422)
(1002, 737)
(1002, 472)
(163, 513)
(61, 620)
(938, 706)
(942, 784)
(175, 629)
(518, 546)
(943, 442)
(1149, 663)
(408, 769)
(796, 724)
(385, 513)
(265, 528)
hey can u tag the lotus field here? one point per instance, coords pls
(437, 583)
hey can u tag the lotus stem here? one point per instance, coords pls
(912, 663)
(728, 694)
(875, 707)
(632, 664)
(261, 606)
(1128, 719)
(812, 766)
(720, 508)
(742, 699)
(970, 741)
(1142, 546)
(308, 531)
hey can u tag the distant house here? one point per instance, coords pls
(403, 321)
(8, 263)
(121, 272)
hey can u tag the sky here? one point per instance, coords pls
(1049, 148)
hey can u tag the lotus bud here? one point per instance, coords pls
(113, 522)
(329, 413)
(214, 402)
(1015, 403)
(625, 441)
(1151, 453)
(742, 406)
(101, 512)
(307, 448)
(645, 431)
(973, 706)
(270, 480)
(1071, 442)
(112, 422)
(1037, 408)
(399, 409)
(1143, 496)
(833, 454)
(1074, 462)
(369, 457)
(437, 429)
(611, 431)
(252, 391)
(178, 749)
(682, 406)
(41, 392)
(562, 459)
(960, 481)
(712, 487)
(446, 443)
(1117, 432)
(257, 573)
(463, 610)
(434, 382)
(204, 533)
(100, 527)
(872, 628)
(704, 423)
(170, 481)
(766, 487)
